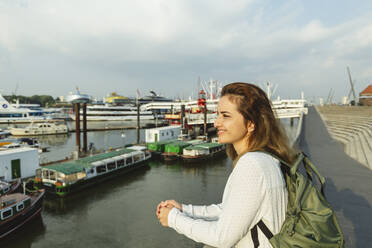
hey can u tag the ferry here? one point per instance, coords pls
(114, 113)
(44, 128)
(196, 153)
(17, 209)
(62, 179)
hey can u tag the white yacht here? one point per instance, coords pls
(10, 114)
(114, 113)
(39, 129)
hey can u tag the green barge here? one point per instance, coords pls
(158, 147)
(175, 149)
(62, 179)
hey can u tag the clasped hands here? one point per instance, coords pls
(163, 209)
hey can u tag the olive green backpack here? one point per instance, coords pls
(310, 221)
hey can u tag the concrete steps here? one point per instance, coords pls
(353, 128)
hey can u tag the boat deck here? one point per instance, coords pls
(348, 182)
(11, 199)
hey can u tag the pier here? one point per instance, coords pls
(348, 182)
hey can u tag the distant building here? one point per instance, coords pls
(365, 97)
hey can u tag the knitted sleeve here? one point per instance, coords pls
(210, 212)
(242, 200)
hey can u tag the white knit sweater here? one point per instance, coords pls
(255, 190)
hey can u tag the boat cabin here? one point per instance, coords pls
(162, 133)
(11, 205)
(19, 163)
(203, 149)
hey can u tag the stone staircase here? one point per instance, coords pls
(352, 126)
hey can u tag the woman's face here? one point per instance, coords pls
(230, 123)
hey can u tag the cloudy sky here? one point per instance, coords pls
(52, 46)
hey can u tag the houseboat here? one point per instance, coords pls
(18, 209)
(175, 149)
(44, 128)
(202, 151)
(64, 178)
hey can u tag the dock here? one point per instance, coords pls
(348, 182)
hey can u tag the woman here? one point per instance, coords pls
(255, 189)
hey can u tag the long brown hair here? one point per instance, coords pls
(268, 133)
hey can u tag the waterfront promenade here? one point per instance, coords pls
(348, 182)
(352, 126)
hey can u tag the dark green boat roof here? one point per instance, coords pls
(80, 164)
(203, 146)
(162, 142)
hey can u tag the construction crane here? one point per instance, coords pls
(352, 85)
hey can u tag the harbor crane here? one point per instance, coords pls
(352, 86)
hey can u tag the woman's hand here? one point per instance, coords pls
(174, 204)
(163, 215)
(169, 203)
(163, 209)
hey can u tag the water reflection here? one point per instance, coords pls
(31, 231)
(99, 192)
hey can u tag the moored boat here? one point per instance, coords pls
(175, 149)
(64, 178)
(202, 151)
(39, 129)
(18, 209)
(157, 148)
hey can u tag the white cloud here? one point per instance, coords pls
(160, 42)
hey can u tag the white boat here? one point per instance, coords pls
(78, 98)
(10, 114)
(39, 129)
(114, 113)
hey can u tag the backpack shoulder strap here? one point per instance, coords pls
(264, 229)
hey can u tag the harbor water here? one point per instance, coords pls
(121, 212)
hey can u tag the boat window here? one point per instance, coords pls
(120, 162)
(137, 157)
(111, 166)
(20, 206)
(45, 174)
(128, 161)
(80, 175)
(70, 178)
(38, 173)
(5, 214)
(101, 169)
(52, 175)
